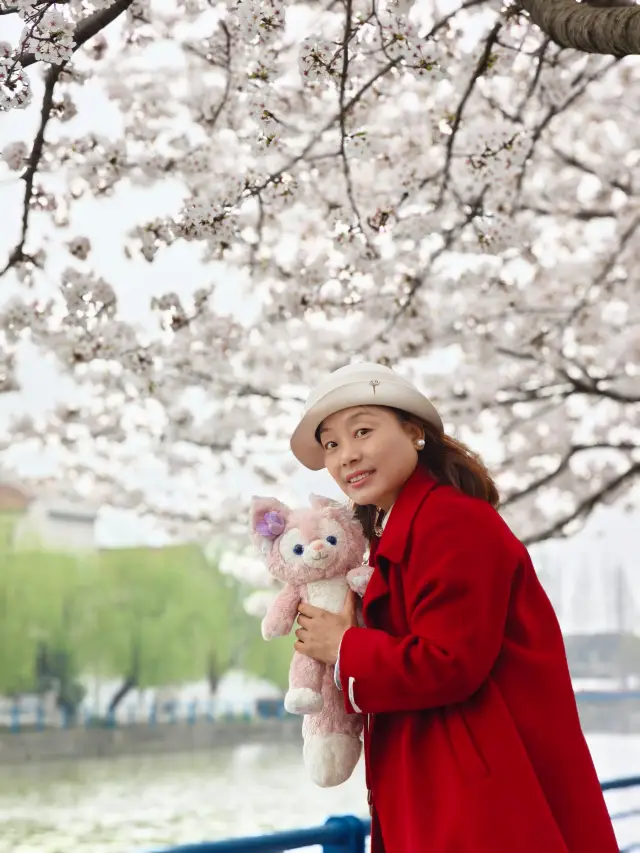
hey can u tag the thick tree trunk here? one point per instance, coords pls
(133, 678)
(213, 672)
(122, 691)
(612, 31)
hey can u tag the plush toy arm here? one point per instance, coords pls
(281, 614)
(359, 577)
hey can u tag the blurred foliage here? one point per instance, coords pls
(147, 616)
(42, 601)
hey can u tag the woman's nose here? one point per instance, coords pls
(349, 454)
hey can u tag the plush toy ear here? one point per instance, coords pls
(320, 502)
(268, 519)
(339, 510)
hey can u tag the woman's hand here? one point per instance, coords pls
(321, 632)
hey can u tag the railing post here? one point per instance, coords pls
(15, 717)
(354, 832)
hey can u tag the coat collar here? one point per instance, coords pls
(392, 545)
(393, 542)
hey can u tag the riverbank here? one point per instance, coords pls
(82, 743)
(599, 714)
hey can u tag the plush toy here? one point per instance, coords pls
(314, 551)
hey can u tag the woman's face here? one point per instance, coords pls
(370, 453)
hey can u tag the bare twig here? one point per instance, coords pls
(480, 68)
(344, 76)
(420, 278)
(51, 79)
(553, 112)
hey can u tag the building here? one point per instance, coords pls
(608, 655)
(29, 519)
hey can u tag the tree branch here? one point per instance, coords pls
(624, 447)
(584, 507)
(581, 215)
(611, 32)
(51, 79)
(87, 28)
(344, 79)
(595, 390)
(418, 280)
(84, 31)
(552, 112)
(480, 68)
(572, 160)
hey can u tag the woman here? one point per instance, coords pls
(473, 742)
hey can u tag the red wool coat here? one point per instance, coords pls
(473, 743)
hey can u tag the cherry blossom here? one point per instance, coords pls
(442, 189)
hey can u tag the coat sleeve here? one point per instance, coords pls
(457, 584)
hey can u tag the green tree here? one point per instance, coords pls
(43, 599)
(149, 617)
(245, 648)
(162, 616)
(269, 660)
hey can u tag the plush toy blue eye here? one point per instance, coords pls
(332, 540)
(298, 549)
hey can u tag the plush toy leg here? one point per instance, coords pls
(305, 686)
(331, 739)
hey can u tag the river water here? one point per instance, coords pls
(136, 805)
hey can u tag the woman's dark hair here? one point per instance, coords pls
(448, 461)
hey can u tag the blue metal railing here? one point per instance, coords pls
(348, 834)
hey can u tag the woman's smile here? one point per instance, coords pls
(359, 478)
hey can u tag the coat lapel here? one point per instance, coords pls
(392, 545)
(378, 587)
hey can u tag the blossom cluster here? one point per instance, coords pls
(444, 192)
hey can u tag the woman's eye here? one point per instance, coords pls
(362, 430)
(332, 540)
(298, 549)
(329, 445)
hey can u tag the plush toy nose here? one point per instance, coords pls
(318, 545)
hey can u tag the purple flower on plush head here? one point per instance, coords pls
(272, 525)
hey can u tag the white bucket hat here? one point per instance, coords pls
(362, 384)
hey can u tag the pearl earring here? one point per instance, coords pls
(420, 443)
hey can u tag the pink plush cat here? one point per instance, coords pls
(315, 552)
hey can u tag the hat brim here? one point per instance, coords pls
(396, 395)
